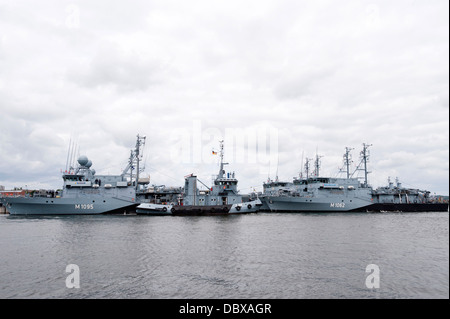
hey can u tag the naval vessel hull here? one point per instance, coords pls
(299, 205)
(213, 210)
(408, 207)
(67, 206)
(289, 204)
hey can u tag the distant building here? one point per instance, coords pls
(15, 193)
(2, 188)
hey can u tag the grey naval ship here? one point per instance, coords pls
(84, 192)
(345, 194)
(401, 199)
(319, 194)
(222, 198)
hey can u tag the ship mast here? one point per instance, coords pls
(364, 159)
(317, 165)
(278, 163)
(68, 153)
(134, 160)
(221, 171)
(365, 156)
(307, 167)
(140, 141)
(301, 167)
(347, 161)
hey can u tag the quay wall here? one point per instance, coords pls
(3, 210)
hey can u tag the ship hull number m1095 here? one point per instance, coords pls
(84, 206)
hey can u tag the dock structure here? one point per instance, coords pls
(9, 193)
(3, 209)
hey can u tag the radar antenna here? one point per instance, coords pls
(364, 155)
(347, 162)
(135, 158)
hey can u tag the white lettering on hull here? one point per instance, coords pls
(84, 206)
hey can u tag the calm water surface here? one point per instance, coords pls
(262, 255)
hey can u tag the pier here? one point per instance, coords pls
(9, 193)
(3, 209)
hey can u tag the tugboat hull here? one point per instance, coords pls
(214, 210)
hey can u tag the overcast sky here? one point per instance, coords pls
(278, 80)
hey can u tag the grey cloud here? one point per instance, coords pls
(325, 74)
(126, 72)
(301, 84)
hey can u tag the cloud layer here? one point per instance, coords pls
(320, 75)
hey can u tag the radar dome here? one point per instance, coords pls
(83, 160)
(89, 164)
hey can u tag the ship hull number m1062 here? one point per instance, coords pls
(337, 205)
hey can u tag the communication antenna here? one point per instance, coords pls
(317, 164)
(71, 153)
(307, 166)
(135, 158)
(347, 161)
(68, 153)
(301, 170)
(278, 163)
(364, 155)
(221, 172)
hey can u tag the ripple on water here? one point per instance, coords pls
(249, 256)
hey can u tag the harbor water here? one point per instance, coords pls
(256, 256)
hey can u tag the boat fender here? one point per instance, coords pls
(238, 208)
(249, 206)
(172, 210)
(164, 209)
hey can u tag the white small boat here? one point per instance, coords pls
(154, 209)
